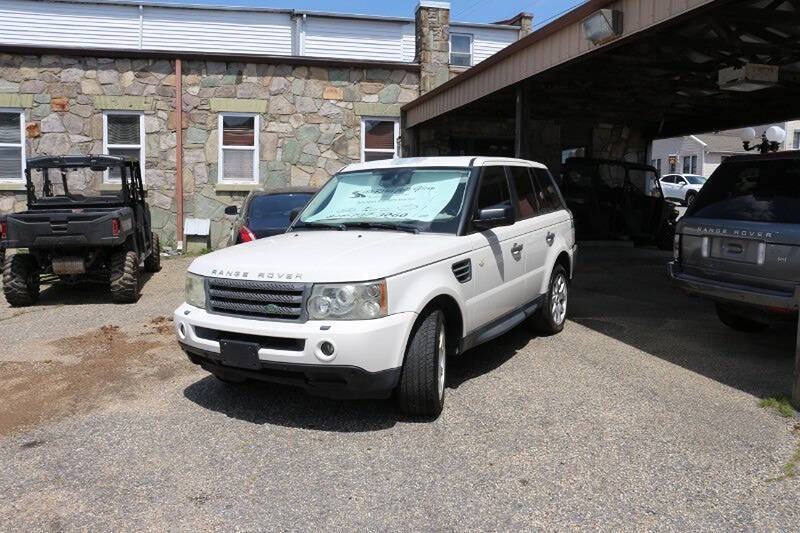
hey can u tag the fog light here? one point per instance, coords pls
(182, 330)
(325, 351)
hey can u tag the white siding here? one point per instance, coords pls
(233, 32)
(353, 39)
(409, 43)
(51, 24)
(487, 41)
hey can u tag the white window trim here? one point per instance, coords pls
(471, 49)
(364, 150)
(140, 146)
(255, 148)
(20, 145)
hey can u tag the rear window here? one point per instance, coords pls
(758, 191)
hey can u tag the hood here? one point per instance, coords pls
(329, 256)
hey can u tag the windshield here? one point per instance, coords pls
(695, 180)
(272, 210)
(74, 186)
(758, 190)
(425, 199)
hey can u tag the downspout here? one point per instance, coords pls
(179, 151)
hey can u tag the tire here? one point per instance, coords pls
(690, 198)
(21, 280)
(552, 316)
(153, 261)
(124, 272)
(421, 389)
(736, 321)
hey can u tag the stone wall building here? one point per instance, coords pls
(248, 119)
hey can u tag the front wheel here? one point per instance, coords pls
(21, 280)
(551, 317)
(421, 388)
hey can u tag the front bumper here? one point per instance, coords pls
(732, 292)
(363, 348)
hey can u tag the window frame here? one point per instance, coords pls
(796, 140)
(364, 149)
(21, 145)
(255, 148)
(471, 49)
(141, 146)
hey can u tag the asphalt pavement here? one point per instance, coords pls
(642, 414)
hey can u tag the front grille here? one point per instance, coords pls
(257, 299)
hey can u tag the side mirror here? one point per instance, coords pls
(293, 213)
(493, 217)
(231, 210)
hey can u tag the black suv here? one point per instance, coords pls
(739, 242)
(74, 236)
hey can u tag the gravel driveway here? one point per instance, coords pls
(642, 414)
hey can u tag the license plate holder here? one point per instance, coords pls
(240, 354)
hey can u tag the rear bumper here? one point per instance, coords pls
(731, 292)
(334, 381)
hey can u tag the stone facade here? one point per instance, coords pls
(310, 120)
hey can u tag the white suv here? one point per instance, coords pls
(393, 266)
(682, 187)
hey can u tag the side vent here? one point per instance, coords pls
(463, 270)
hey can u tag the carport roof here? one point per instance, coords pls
(660, 74)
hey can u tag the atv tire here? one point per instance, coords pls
(153, 261)
(124, 273)
(21, 280)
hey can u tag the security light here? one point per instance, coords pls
(602, 25)
(750, 77)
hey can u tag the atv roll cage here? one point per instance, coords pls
(132, 188)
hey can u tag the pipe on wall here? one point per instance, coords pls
(179, 151)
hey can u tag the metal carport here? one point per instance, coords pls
(661, 75)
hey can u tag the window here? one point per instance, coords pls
(379, 139)
(796, 143)
(123, 135)
(656, 163)
(668, 179)
(690, 164)
(549, 199)
(573, 152)
(461, 49)
(494, 191)
(238, 153)
(12, 145)
(526, 198)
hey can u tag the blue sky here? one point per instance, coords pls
(460, 10)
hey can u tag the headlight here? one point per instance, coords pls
(195, 290)
(348, 301)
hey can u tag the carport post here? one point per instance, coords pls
(521, 123)
(796, 377)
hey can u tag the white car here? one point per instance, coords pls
(682, 187)
(392, 267)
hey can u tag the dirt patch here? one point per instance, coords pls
(107, 363)
(161, 324)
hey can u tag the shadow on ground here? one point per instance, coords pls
(59, 293)
(624, 293)
(267, 403)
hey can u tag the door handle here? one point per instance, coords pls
(516, 250)
(550, 238)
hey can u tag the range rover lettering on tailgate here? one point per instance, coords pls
(739, 242)
(392, 267)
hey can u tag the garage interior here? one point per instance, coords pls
(669, 69)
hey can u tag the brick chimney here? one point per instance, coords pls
(432, 21)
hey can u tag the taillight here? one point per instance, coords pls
(4, 230)
(115, 227)
(246, 234)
